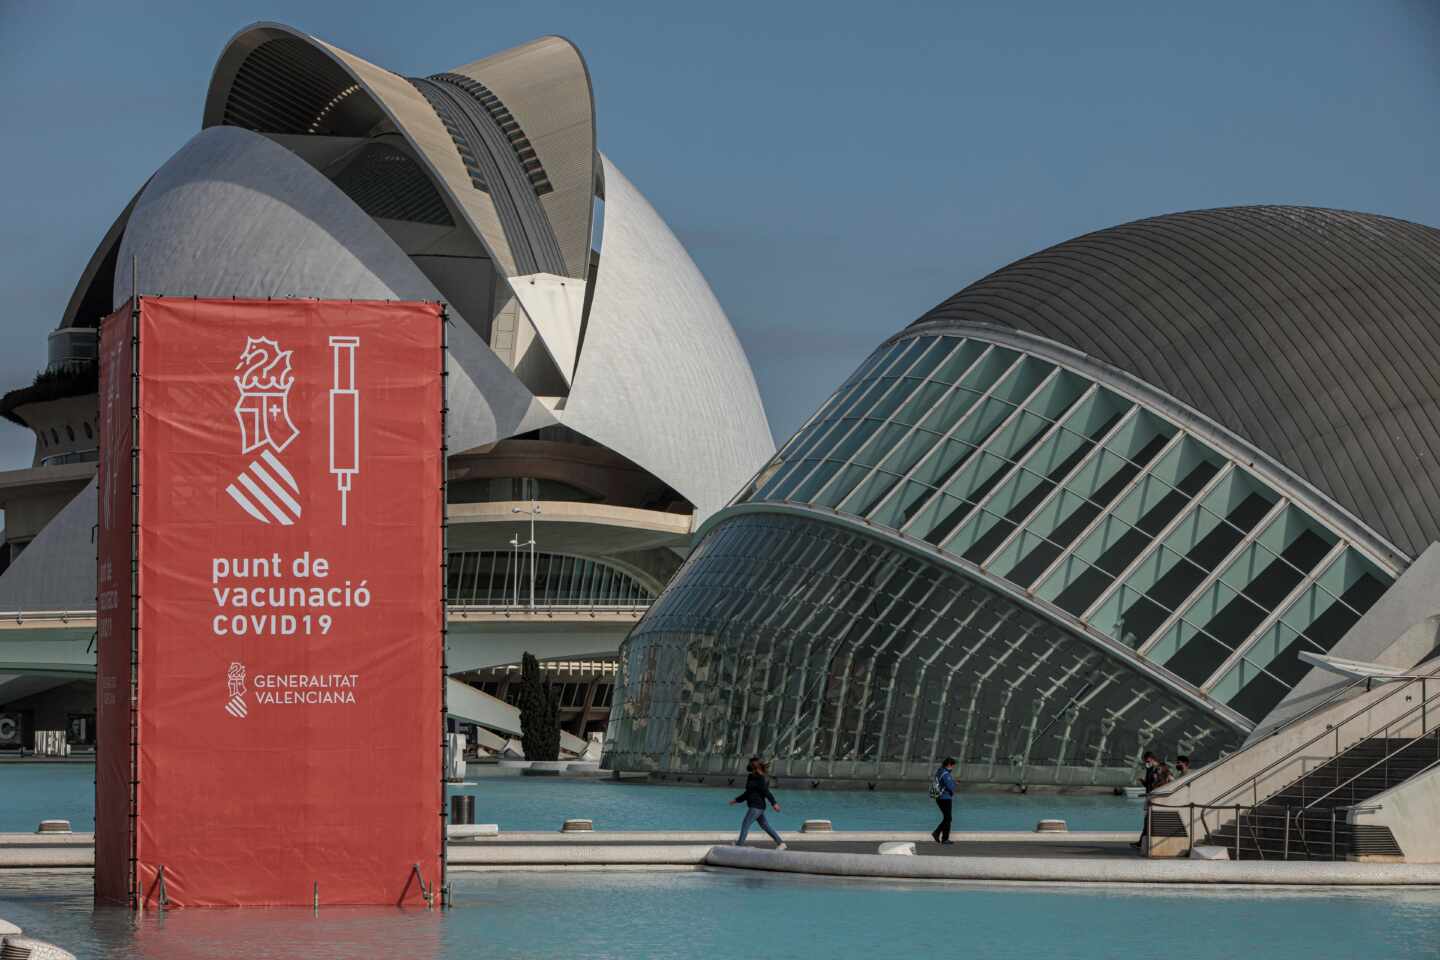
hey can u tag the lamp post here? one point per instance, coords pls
(515, 555)
(534, 511)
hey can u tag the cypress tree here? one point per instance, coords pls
(539, 712)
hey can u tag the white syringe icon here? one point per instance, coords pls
(344, 418)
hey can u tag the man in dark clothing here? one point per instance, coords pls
(1152, 771)
(945, 781)
(1150, 780)
(757, 792)
(1182, 766)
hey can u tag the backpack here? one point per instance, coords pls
(936, 790)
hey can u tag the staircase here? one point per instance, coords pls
(1308, 818)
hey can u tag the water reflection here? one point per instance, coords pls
(725, 915)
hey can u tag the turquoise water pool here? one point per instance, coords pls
(723, 915)
(537, 803)
(47, 791)
(38, 791)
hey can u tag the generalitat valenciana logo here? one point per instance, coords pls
(266, 489)
(235, 680)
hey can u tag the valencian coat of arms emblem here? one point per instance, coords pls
(266, 490)
(263, 409)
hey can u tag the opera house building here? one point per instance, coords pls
(1123, 494)
(587, 354)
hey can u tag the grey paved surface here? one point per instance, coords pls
(970, 848)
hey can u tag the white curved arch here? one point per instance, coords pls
(235, 214)
(406, 108)
(545, 84)
(662, 378)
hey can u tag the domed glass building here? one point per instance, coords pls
(1100, 501)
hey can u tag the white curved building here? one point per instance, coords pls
(588, 357)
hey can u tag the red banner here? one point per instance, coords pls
(291, 611)
(113, 605)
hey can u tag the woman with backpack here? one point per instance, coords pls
(757, 791)
(942, 789)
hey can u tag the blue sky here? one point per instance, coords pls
(835, 168)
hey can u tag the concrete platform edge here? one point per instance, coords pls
(1041, 870)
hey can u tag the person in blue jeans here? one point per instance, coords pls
(757, 792)
(945, 780)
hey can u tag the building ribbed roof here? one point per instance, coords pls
(1312, 333)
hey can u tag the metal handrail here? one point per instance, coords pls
(1297, 815)
(1334, 728)
(1292, 816)
(578, 606)
(65, 616)
(1336, 697)
(20, 616)
(1385, 760)
(1340, 694)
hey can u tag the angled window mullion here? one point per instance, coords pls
(837, 436)
(1020, 464)
(1243, 648)
(793, 446)
(919, 682)
(997, 666)
(874, 438)
(883, 575)
(828, 612)
(594, 585)
(1061, 484)
(804, 598)
(1276, 555)
(565, 589)
(1276, 510)
(474, 577)
(1158, 541)
(959, 421)
(912, 429)
(856, 586)
(981, 606)
(1240, 594)
(1105, 511)
(983, 447)
(496, 595)
(1043, 695)
(962, 593)
(867, 691)
(1198, 507)
(788, 471)
(584, 592)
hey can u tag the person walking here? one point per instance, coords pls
(1151, 780)
(1152, 771)
(942, 788)
(757, 792)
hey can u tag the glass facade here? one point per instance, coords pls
(1011, 469)
(1138, 529)
(494, 578)
(836, 656)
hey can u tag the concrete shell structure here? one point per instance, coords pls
(320, 174)
(1100, 501)
(586, 362)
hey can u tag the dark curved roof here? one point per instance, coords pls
(1314, 334)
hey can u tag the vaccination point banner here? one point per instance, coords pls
(288, 654)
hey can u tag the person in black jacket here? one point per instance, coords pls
(1152, 771)
(757, 791)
